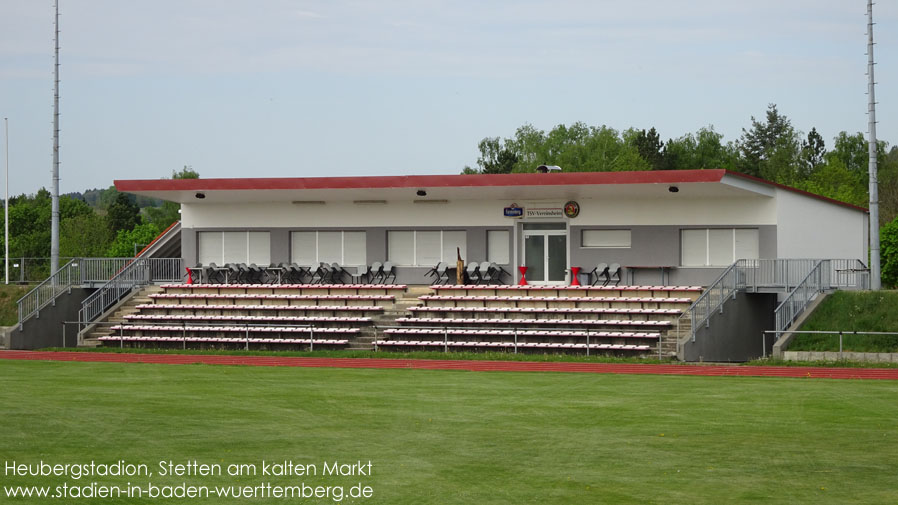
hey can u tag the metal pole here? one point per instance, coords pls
(875, 279)
(840, 345)
(6, 207)
(54, 212)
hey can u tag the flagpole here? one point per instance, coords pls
(6, 208)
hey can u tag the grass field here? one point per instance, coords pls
(852, 311)
(463, 438)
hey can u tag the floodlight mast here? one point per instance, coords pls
(54, 197)
(875, 275)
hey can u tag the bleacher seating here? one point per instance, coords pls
(258, 316)
(623, 320)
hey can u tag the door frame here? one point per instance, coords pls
(546, 233)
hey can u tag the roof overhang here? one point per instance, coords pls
(530, 186)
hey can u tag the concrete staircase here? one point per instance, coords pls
(117, 315)
(365, 340)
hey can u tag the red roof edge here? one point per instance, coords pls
(423, 181)
(156, 239)
(798, 191)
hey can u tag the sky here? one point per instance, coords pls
(295, 88)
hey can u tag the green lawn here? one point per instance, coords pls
(446, 437)
(9, 295)
(852, 311)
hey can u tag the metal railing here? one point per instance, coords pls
(841, 333)
(817, 280)
(138, 273)
(195, 326)
(46, 292)
(776, 275)
(515, 332)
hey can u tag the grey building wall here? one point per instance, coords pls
(375, 247)
(45, 328)
(735, 335)
(650, 245)
(656, 246)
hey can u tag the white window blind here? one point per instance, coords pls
(717, 246)
(234, 247)
(309, 248)
(497, 246)
(606, 238)
(425, 248)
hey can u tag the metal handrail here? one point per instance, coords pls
(138, 273)
(46, 292)
(800, 297)
(780, 274)
(712, 299)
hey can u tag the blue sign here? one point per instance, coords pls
(514, 211)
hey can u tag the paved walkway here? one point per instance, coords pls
(473, 366)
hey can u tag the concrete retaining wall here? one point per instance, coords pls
(870, 357)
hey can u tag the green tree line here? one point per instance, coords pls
(109, 228)
(770, 148)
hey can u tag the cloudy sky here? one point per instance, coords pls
(291, 88)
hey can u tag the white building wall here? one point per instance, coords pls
(595, 212)
(813, 228)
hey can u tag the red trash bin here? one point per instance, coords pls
(575, 276)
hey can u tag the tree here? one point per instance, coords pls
(700, 151)
(888, 244)
(495, 158)
(126, 241)
(649, 145)
(169, 212)
(85, 235)
(185, 173)
(813, 151)
(770, 148)
(123, 214)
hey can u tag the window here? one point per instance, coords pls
(717, 247)
(222, 247)
(606, 238)
(497, 246)
(313, 247)
(425, 248)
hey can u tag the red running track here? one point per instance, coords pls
(472, 366)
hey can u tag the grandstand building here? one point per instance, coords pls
(662, 228)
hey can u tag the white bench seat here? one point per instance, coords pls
(270, 297)
(247, 319)
(230, 329)
(222, 340)
(511, 345)
(278, 308)
(438, 321)
(654, 291)
(400, 332)
(549, 300)
(274, 288)
(550, 310)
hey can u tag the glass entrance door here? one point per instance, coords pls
(545, 255)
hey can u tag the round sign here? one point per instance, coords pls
(572, 209)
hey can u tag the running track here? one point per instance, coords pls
(472, 366)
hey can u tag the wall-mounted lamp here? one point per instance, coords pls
(673, 189)
(421, 192)
(200, 195)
